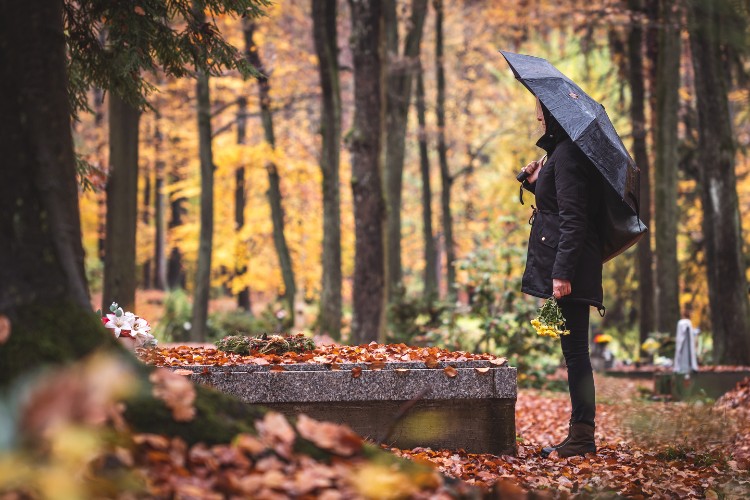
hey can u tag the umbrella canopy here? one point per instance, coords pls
(584, 120)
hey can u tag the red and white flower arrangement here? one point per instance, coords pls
(127, 325)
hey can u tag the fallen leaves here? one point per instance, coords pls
(356, 371)
(373, 355)
(450, 371)
(630, 462)
(336, 438)
(176, 391)
(277, 433)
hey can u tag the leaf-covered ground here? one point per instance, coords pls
(646, 449)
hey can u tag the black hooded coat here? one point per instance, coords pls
(564, 241)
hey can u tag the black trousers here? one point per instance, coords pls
(575, 348)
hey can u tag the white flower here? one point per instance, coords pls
(130, 317)
(140, 326)
(118, 324)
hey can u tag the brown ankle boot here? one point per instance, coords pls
(549, 449)
(580, 441)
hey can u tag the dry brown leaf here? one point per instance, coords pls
(277, 369)
(183, 372)
(139, 10)
(336, 438)
(177, 393)
(249, 444)
(431, 361)
(356, 371)
(4, 329)
(276, 432)
(482, 370)
(451, 371)
(499, 361)
(378, 364)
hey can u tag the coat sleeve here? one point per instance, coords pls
(572, 182)
(529, 186)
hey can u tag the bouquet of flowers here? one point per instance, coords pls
(550, 321)
(128, 325)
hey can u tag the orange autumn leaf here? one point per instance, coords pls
(177, 393)
(451, 371)
(356, 371)
(431, 362)
(336, 438)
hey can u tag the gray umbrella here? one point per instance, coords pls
(587, 124)
(583, 119)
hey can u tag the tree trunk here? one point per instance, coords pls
(41, 258)
(122, 205)
(665, 167)
(401, 68)
(430, 255)
(240, 200)
(365, 143)
(160, 236)
(326, 47)
(640, 153)
(728, 299)
(445, 177)
(146, 219)
(175, 269)
(274, 181)
(203, 271)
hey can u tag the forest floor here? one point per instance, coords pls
(646, 449)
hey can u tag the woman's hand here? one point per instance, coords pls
(560, 288)
(533, 170)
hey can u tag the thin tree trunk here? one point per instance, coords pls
(665, 167)
(445, 177)
(160, 236)
(730, 310)
(240, 200)
(203, 272)
(274, 181)
(122, 205)
(146, 219)
(402, 65)
(640, 153)
(430, 255)
(365, 143)
(175, 268)
(326, 47)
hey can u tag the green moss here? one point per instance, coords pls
(50, 334)
(218, 417)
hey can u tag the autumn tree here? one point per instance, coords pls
(122, 202)
(274, 179)
(665, 165)
(711, 33)
(240, 200)
(442, 148)
(402, 65)
(160, 202)
(430, 252)
(206, 156)
(365, 143)
(326, 47)
(636, 80)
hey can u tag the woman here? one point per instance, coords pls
(565, 261)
